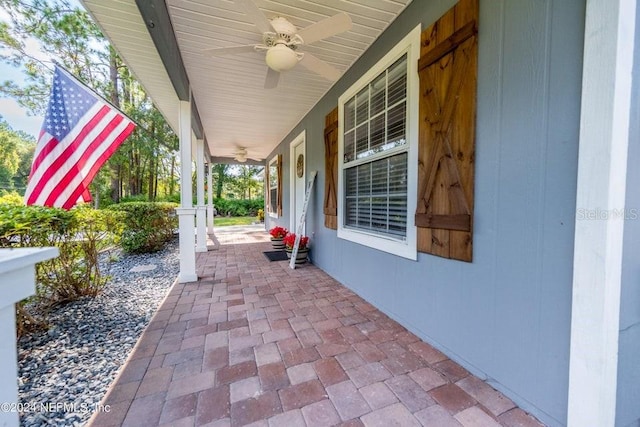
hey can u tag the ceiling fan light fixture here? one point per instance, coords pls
(241, 155)
(281, 58)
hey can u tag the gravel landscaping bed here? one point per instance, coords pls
(64, 372)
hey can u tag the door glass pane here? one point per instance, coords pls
(362, 139)
(378, 94)
(362, 106)
(350, 114)
(349, 146)
(396, 125)
(398, 81)
(377, 133)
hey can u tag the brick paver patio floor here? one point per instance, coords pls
(253, 342)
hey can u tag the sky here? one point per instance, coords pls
(13, 113)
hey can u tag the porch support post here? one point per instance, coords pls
(210, 216)
(602, 173)
(201, 220)
(186, 212)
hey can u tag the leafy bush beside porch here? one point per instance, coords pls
(238, 207)
(148, 225)
(80, 235)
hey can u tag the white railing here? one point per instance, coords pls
(17, 282)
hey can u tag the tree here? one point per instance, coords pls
(16, 153)
(244, 180)
(145, 162)
(66, 33)
(220, 175)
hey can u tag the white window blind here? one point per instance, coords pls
(375, 155)
(376, 196)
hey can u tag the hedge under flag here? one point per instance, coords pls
(79, 134)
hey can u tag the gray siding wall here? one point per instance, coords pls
(506, 316)
(628, 408)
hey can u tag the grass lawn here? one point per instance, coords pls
(221, 221)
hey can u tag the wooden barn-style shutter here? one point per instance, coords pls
(448, 79)
(331, 170)
(279, 168)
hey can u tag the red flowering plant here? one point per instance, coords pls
(278, 232)
(290, 240)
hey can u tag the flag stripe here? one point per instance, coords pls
(57, 162)
(43, 150)
(77, 175)
(68, 182)
(94, 169)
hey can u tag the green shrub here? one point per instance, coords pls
(136, 198)
(80, 235)
(148, 225)
(11, 198)
(238, 207)
(173, 198)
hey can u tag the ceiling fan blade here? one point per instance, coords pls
(316, 65)
(326, 28)
(219, 51)
(272, 79)
(256, 15)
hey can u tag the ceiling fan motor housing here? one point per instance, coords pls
(283, 27)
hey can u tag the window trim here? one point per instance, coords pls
(274, 160)
(410, 45)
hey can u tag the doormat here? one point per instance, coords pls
(276, 255)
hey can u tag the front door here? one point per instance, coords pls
(298, 179)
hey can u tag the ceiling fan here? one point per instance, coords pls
(281, 41)
(241, 155)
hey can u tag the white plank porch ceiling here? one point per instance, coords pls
(235, 109)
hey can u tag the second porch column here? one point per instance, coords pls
(201, 220)
(210, 199)
(186, 211)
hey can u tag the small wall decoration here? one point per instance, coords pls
(300, 165)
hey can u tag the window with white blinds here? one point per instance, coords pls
(273, 187)
(377, 148)
(375, 155)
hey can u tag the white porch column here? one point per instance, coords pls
(186, 210)
(201, 214)
(210, 216)
(602, 170)
(17, 281)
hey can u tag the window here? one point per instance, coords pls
(274, 187)
(377, 153)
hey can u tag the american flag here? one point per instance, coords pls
(80, 132)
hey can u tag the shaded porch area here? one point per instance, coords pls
(254, 342)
